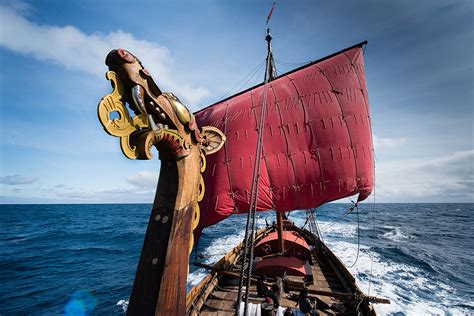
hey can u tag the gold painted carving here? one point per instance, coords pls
(181, 111)
(214, 139)
(137, 139)
(200, 196)
(123, 125)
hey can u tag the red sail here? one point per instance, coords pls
(317, 144)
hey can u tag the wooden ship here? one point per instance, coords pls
(294, 142)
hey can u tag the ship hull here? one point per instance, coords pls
(323, 274)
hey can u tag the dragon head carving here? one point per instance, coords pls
(160, 119)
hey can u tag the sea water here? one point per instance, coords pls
(81, 259)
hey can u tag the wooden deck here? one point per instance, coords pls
(217, 294)
(222, 299)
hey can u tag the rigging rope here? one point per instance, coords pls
(358, 237)
(250, 227)
(349, 210)
(374, 214)
(249, 76)
(319, 229)
(311, 219)
(284, 63)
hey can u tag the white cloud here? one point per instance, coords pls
(143, 188)
(71, 195)
(24, 8)
(17, 180)
(113, 195)
(144, 179)
(445, 179)
(69, 47)
(388, 143)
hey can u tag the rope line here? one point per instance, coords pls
(358, 237)
(349, 210)
(286, 63)
(374, 215)
(250, 75)
(250, 228)
(255, 183)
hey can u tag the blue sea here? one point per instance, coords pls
(81, 259)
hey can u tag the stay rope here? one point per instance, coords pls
(374, 215)
(249, 239)
(358, 237)
(342, 216)
(243, 82)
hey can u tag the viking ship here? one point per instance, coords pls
(294, 142)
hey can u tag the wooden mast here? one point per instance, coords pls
(271, 73)
(281, 244)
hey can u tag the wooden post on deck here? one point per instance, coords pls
(281, 245)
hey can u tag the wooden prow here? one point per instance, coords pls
(164, 260)
(161, 121)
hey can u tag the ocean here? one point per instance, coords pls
(81, 259)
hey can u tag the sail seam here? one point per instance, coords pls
(364, 94)
(305, 121)
(265, 157)
(347, 126)
(365, 103)
(277, 105)
(226, 161)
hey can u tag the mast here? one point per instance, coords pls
(251, 223)
(281, 244)
(270, 74)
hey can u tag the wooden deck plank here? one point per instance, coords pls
(220, 305)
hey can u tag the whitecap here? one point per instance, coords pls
(123, 304)
(395, 234)
(211, 254)
(410, 290)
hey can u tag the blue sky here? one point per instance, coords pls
(419, 65)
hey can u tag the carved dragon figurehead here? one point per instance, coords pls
(159, 117)
(162, 121)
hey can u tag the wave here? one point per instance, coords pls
(385, 270)
(211, 254)
(395, 233)
(123, 304)
(409, 283)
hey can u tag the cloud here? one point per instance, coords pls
(119, 195)
(114, 195)
(388, 143)
(144, 180)
(69, 47)
(445, 179)
(17, 180)
(19, 6)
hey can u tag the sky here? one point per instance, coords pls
(419, 68)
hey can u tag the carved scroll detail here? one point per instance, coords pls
(214, 139)
(122, 126)
(200, 196)
(167, 124)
